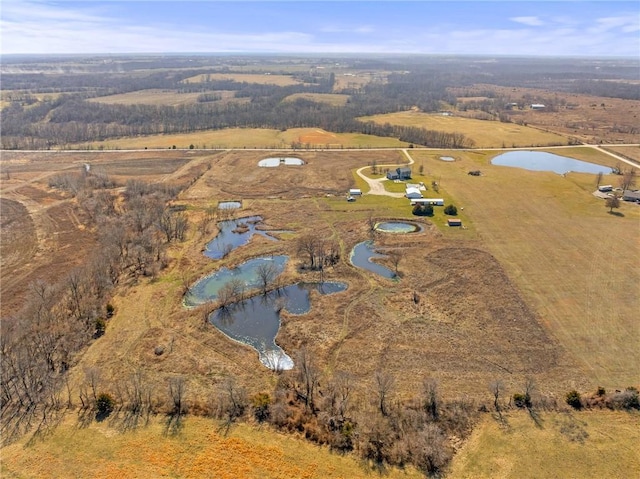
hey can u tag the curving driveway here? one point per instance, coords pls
(376, 186)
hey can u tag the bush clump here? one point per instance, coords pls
(573, 399)
(423, 210)
(104, 405)
(450, 210)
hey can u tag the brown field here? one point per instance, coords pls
(264, 79)
(156, 97)
(200, 450)
(588, 118)
(330, 98)
(250, 138)
(630, 152)
(484, 133)
(351, 80)
(593, 444)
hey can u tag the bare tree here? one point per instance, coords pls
(307, 377)
(395, 256)
(307, 246)
(612, 202)
(628, 179)
(177, 389)
(266, 272)
(431, 398)
(599, 178)
(384, 384)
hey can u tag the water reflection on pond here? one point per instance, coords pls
(543, 161)
(233, 234)
(207, 288)
(398, 227)
(255, 321)
(361, 256)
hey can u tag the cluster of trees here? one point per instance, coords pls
(318, 253)
(59, 318)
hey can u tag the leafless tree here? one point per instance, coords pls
(266, 272)
(612, 202)
(307, 377)
(307, 245)
(599, 178)
(395, 256)
(384, 384)
(431, 398)
(628, 180)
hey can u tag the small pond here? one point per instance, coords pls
(543, 161)
(233, 234)
(229, 205)
(361, 256)
(255, 321)
(207, 288)
(272, 162)
(398, 227)
(447, 158)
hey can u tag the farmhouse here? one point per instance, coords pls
(631, 195)
(412, 193)
(427, 201)
(399, 174)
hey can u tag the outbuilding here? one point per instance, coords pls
(413, 193)
(427, 201)
(454, 222)
(631, 195)
(605, 188)
(355, 192)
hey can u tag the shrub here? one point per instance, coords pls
(627, 399)
(260, 403)
(450, 210)
(601, 391)
(110, 310)
(522, 400)
(573, 399)
(101, 326)
(104, 405)
(423, 210)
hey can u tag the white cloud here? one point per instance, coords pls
(530, 21)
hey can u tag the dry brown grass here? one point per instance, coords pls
(484, 133)
(149, 97)
(264, 78)
(591, 444)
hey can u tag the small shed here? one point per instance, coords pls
(355, 192)
(454, 222)
(605, 188)
(537, 106)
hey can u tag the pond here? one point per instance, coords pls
(398, 227)
(207, 288)
(272, 162)
(233, 234)
(361, 256)
(255, 321)
(543, 161)
(447, 158)
(229, 205)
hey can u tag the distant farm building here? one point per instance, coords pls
(399, 174)
(355, 192)
(631, 195)
(605, 188)
(413, 193)
(454, 222)
(537, 106)
(427, 201)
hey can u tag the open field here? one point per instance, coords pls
(156, 97)
(199, 450)
(484, 133)
(263, 79)
(593, 444)
(631, 152)
(250, 138)
(586, 298)
(334, 99)
(589, 118)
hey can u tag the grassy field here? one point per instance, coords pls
(590, 445)
(334, 99)
(485, 134)
(632, 152)
(264, 78)
(199, 450)
(156, 97)
(250, 138)
(561, 246)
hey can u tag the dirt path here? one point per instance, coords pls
(376, 186)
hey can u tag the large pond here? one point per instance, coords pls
(233, 234)
(398, 227)
(361, 257)
(272, 162)
(207, 288)
(255, 321)
(543, 161)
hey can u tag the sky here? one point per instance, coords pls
(541, 28)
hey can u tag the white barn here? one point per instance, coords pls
(412, 193)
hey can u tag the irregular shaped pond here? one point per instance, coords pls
(398, 227)
(361, 256)
(543, 161)
(255, 321)
(207, 288)
(233, 234)
(272, 162)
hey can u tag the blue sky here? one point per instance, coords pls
(546, 28)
